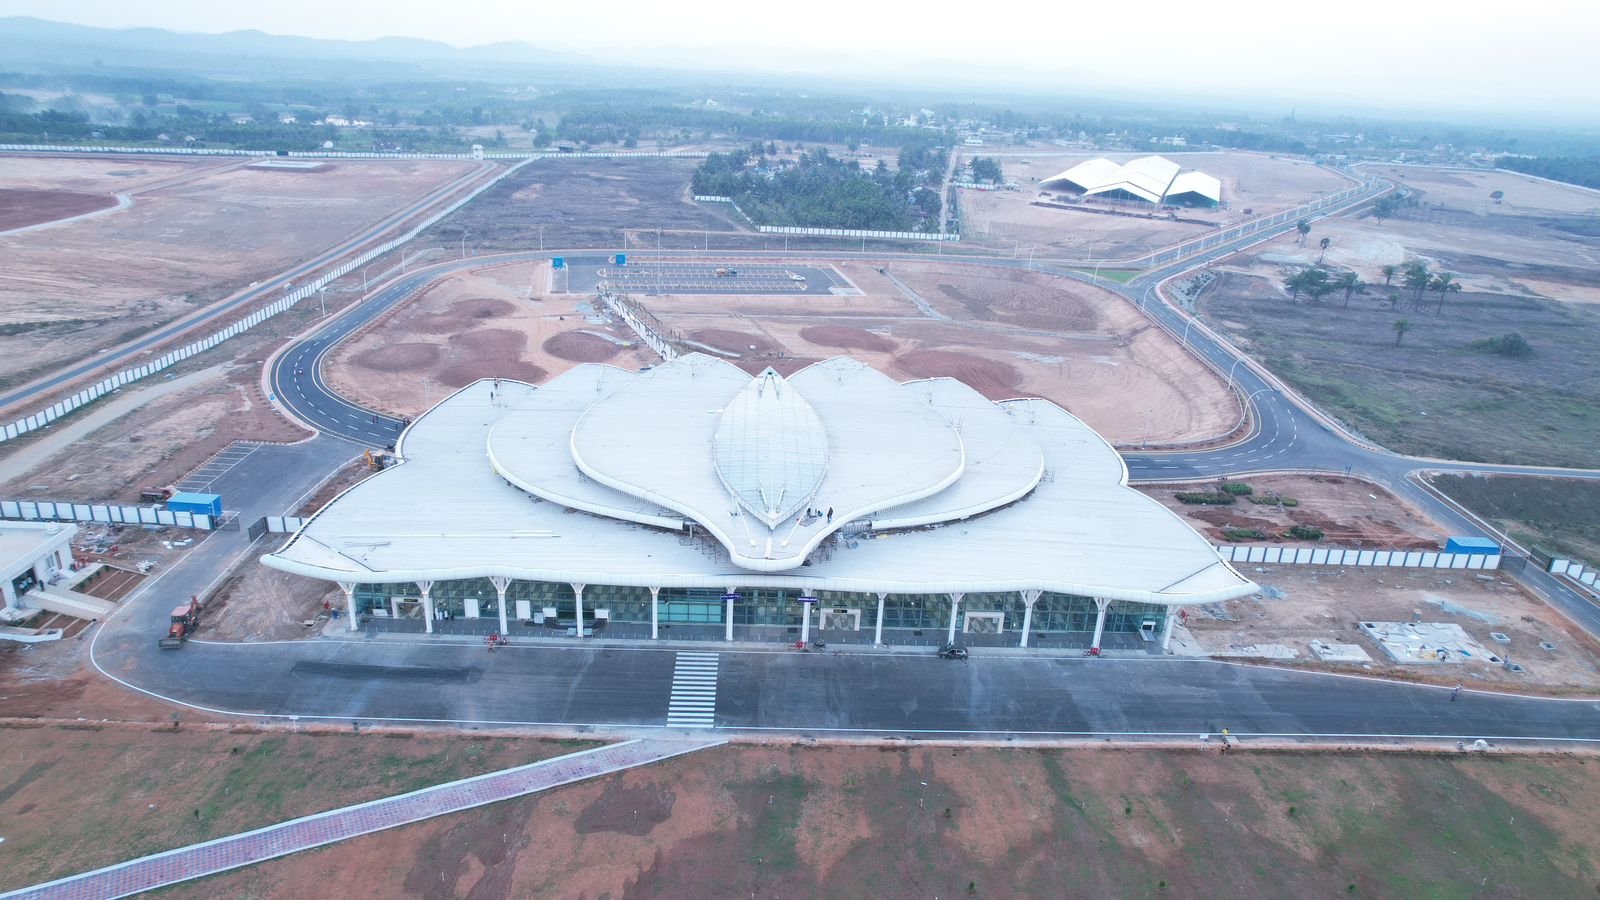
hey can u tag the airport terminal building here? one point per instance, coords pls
(694, 500)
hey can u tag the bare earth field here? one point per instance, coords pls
(939, 822)
(77, 797)
(471, 325)
(191, 238)
(1325, 603)
(20, 207)
(1435, 395)
(1350, 513)
(1005, 219)
(1006, 333)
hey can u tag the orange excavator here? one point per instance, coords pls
(185, 619)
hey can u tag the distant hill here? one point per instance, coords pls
(30, 43)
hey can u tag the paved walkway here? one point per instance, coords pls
(222, 854)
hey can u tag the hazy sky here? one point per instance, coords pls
(1535, 55)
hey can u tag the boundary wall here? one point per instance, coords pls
(107, 513)
(1340, 556)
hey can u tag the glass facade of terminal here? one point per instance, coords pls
(1053, 613)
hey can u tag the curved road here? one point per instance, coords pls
(629, 686)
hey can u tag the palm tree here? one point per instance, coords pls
(1389, 272)
(1295, 284)
(1304, 228)
(1400, 328)
(1324, 244)
(1352, 284)
(1444, 283)
(1416, 278)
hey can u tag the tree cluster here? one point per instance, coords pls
(1580, 170)
(819, 191)
(987, 169)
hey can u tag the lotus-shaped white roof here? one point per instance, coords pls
(605, 476)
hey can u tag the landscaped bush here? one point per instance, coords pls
(1305, 532)
(1210, 498)
(1243, 534)
(1273, 501)
(1237, 488)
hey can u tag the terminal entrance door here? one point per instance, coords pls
(839, 619)
(985, 622)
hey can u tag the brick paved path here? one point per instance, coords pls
(222, 854)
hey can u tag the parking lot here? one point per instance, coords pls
(653, 278)
(203, 477)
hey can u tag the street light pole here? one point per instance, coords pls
(1231, 371)
(322, 297)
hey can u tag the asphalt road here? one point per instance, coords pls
(126, 353)
(869, 693)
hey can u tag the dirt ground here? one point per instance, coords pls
(1560, 516)
(1323, 603)
(1351, 513)
(471, 325)
(1004, 219)
(79, 796)
(194, 235)
(20, 207)
(257, 603)
(1434, 394)
(785, 821)
(1006, 333)
(159, 443)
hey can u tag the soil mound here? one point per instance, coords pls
(499, 342)
(462, 315)
(848, 337)
(464, 373)
(580, 347)
(734, 341)
(398, 357)
(991, 378)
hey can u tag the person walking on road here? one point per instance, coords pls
(1454, 693)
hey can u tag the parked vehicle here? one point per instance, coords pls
(951, 651)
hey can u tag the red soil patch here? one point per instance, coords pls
(991, 378)
(847, 337)
(493, 341)
(399, 357)
(785, 366)
(734, 341)
(461, 316)
(20, 207)
(580, 347)
(465, 373)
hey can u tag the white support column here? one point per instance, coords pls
(577, 595)
(500, 585)
(349, 588)
(426, 587)
(655, 613)
(1030, 597)
(877, 630)
(805, 623)
(1099, 621)
(955, 605)
(1166, 628)
(728, 617)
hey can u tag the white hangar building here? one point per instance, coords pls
(697, 498)
(1150, 179)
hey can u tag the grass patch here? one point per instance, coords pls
(1560, 515)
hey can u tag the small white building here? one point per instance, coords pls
(31, 555)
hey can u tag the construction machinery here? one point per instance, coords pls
(378, 460)
(185, 619)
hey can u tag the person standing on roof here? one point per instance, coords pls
(830, 515)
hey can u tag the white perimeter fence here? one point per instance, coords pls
(45, 510)
(88, 395)
(342, 154)
(829, 232)
(1340, 556)
(1252, 226)
(1577, 573)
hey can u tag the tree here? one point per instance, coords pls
(1497, 196)
(986, 169)
(1312, 282)
(1400, 328)
(1324, 245)
(1304, 228)
(1389, 272)
(1444, 283)
(1352, 284)
(1416, 278)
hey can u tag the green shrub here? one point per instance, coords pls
(1243, 534)
(1210, 498)
(1273, 500)
(1513, 345)
(1305, 532)
(1237, 488)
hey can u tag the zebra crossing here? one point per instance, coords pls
(694, 691)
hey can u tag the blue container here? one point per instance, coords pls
(199, 504)
(1475, 545)
(620, 259)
